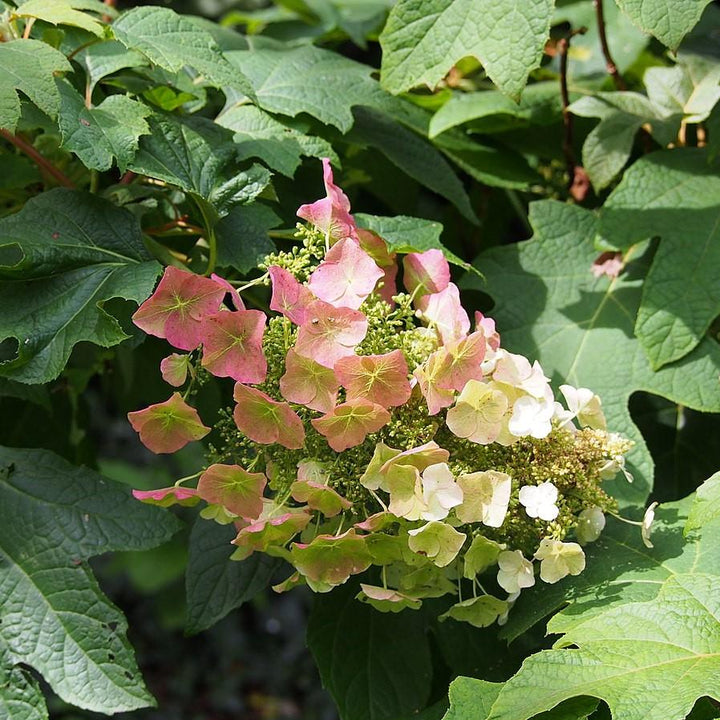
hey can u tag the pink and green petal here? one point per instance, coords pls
(331, 215)
(486, 325)
(238, 304)
(332, 559)
(289, 297)
(232, 345)
(381, 379)
(479, 612)
(376, 248)
(329, 333)
(429, 376)
(165, 497)
(269, 531)
(386, 599)
(234, 488)
(168, 426)
(420, 457)
(374, 477)
(348, 424)
(176, 309)
(319, 497)
(437, 541)
(308, 383)
(445, 313)
(378, 521)
(463, 360)
(346, 276)
(174, 369)
(265, 420)
(426, 272)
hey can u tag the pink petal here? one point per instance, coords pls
(428, 376)
(165, 497)
(234, 294)
(308, 383)
(330, 333)
(381, 379)
(350, 423)
(232, 345)
(346, 276)
(609, 263)
(168, 426)
(487, 325)
(178, 305)
(462, 362)
(265, 420)
(429, 271)
(331, 215)
(234, 488)
(174, 369)
(444, 310)
(289, 297)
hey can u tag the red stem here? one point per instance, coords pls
(42, 162)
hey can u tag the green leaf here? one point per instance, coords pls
(405, 234)
(540, 104)
(98, 135)
(20, 695)
(412, 154)
(309, 80)
(173, 41)
(550, 307)
(195, 154)
(28, 66)
(61, 258)
(105, 58)
(66, 12)
(377, 666)
(706, 505)
(620, 569)
(668, 20)
(423, 39)
(647, 660)
(471, 698)
(242, 236)
(672, 194)
(281, 147)
(53, 518)
(214, 585)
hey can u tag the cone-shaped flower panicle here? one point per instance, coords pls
(539, 501)
(329, 333)
(444, 312)
(233, 487)
(168, 426)
(486, 495)
(478, 413)
(348, 424)
(177, 307)
(165, 497)
(331, 215)
(382, 379)
(275, 526)
(289, 297)
(174, 369)
(265, 420)
(319, 496)
(515, 571)
(440, 492)
(346, 276)
(559, 559)
(332, 559)
(427, 272)
(232, 345)
(308, 383)
(437, 541)
(585, 405)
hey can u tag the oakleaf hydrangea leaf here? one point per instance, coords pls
(98, 135)
(105, 58)
(423, 40)
(28, 66)
(234, 488)
(64, 255)
(671, 194)
(706, 504)
(66, 12)
(168, 426)
(53, 518)
(647, 660)
(668, 20)
(173, 41)
(580, 328)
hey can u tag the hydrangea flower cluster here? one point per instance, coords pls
(377, 430)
